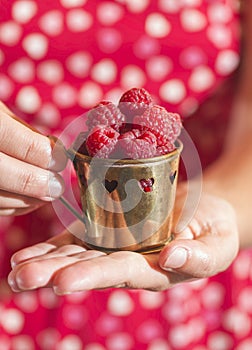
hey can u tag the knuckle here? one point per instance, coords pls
(32, 184)
(30, 150)
(26, 181)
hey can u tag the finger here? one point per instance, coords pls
(17, 211)
(10, 200)
(31, 252)
(205, 256)
(38, 272)
(40, 249)
(127, 269)
(21, 142)
(28, 180)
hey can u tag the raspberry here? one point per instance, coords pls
(134, 102)
(164, 125)
(79, 144)
(101, 141)
(137, 144)
(105, 113)
(167, 148)
(147, 184)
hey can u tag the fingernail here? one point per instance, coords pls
(12, 283)
(58, 155)
(177, 258)
(56, 187)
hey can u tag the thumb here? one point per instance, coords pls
(203, 257)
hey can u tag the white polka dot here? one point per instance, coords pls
(158, 67)
(151, 300)
(48, 299)
(188, 106)
(157, 25)
(201, 79)
(10, 33)
(1, 57)
(146, 47)
(191, 3)
(149, 330)
(35, 45)
(173, 91)
(104, 71)
(22, 70)
(47, 338)
(49, 115)
(218, 12)
(119, 341)
(237, 322)
(50, 71)
(64, 95)
(6, 87)
(5, 342)
(245, 345)
(108, 13)
(114, 95)
(198, 284)
(169, 6)
(137, 6)
(23, 342)
(108, 324)
(79, 63)
(242, 266)
(219, 341)
(70, 342)
(132, 76)
(72, 3)
(192, 57)
(90, 94)
(79, 20)
(77, 297)
(193, 20)
(213, 295)
(109, 40)
(219, 35)
(158, 344)
(226, 62)
(52, 22)
(245, 299)
(28, 99)
(199, 324)
(94, 346)
(12, 321)
(174, 312)
(175, 338)
(27, 301)
(24, 10)
(74, 316)
(120, 303)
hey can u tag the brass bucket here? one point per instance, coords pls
(127, 204)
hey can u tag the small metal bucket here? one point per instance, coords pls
(127, 204)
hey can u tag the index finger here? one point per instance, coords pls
(21, 142)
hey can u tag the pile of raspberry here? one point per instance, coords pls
(134, 129)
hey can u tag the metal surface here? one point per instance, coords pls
(118, 213)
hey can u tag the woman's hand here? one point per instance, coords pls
(28, 167)
(205, 247)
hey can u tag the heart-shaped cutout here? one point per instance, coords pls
(147, 184)
(172, 176)
(110, 185)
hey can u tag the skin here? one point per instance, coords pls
(206, 246)
(28, 167)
